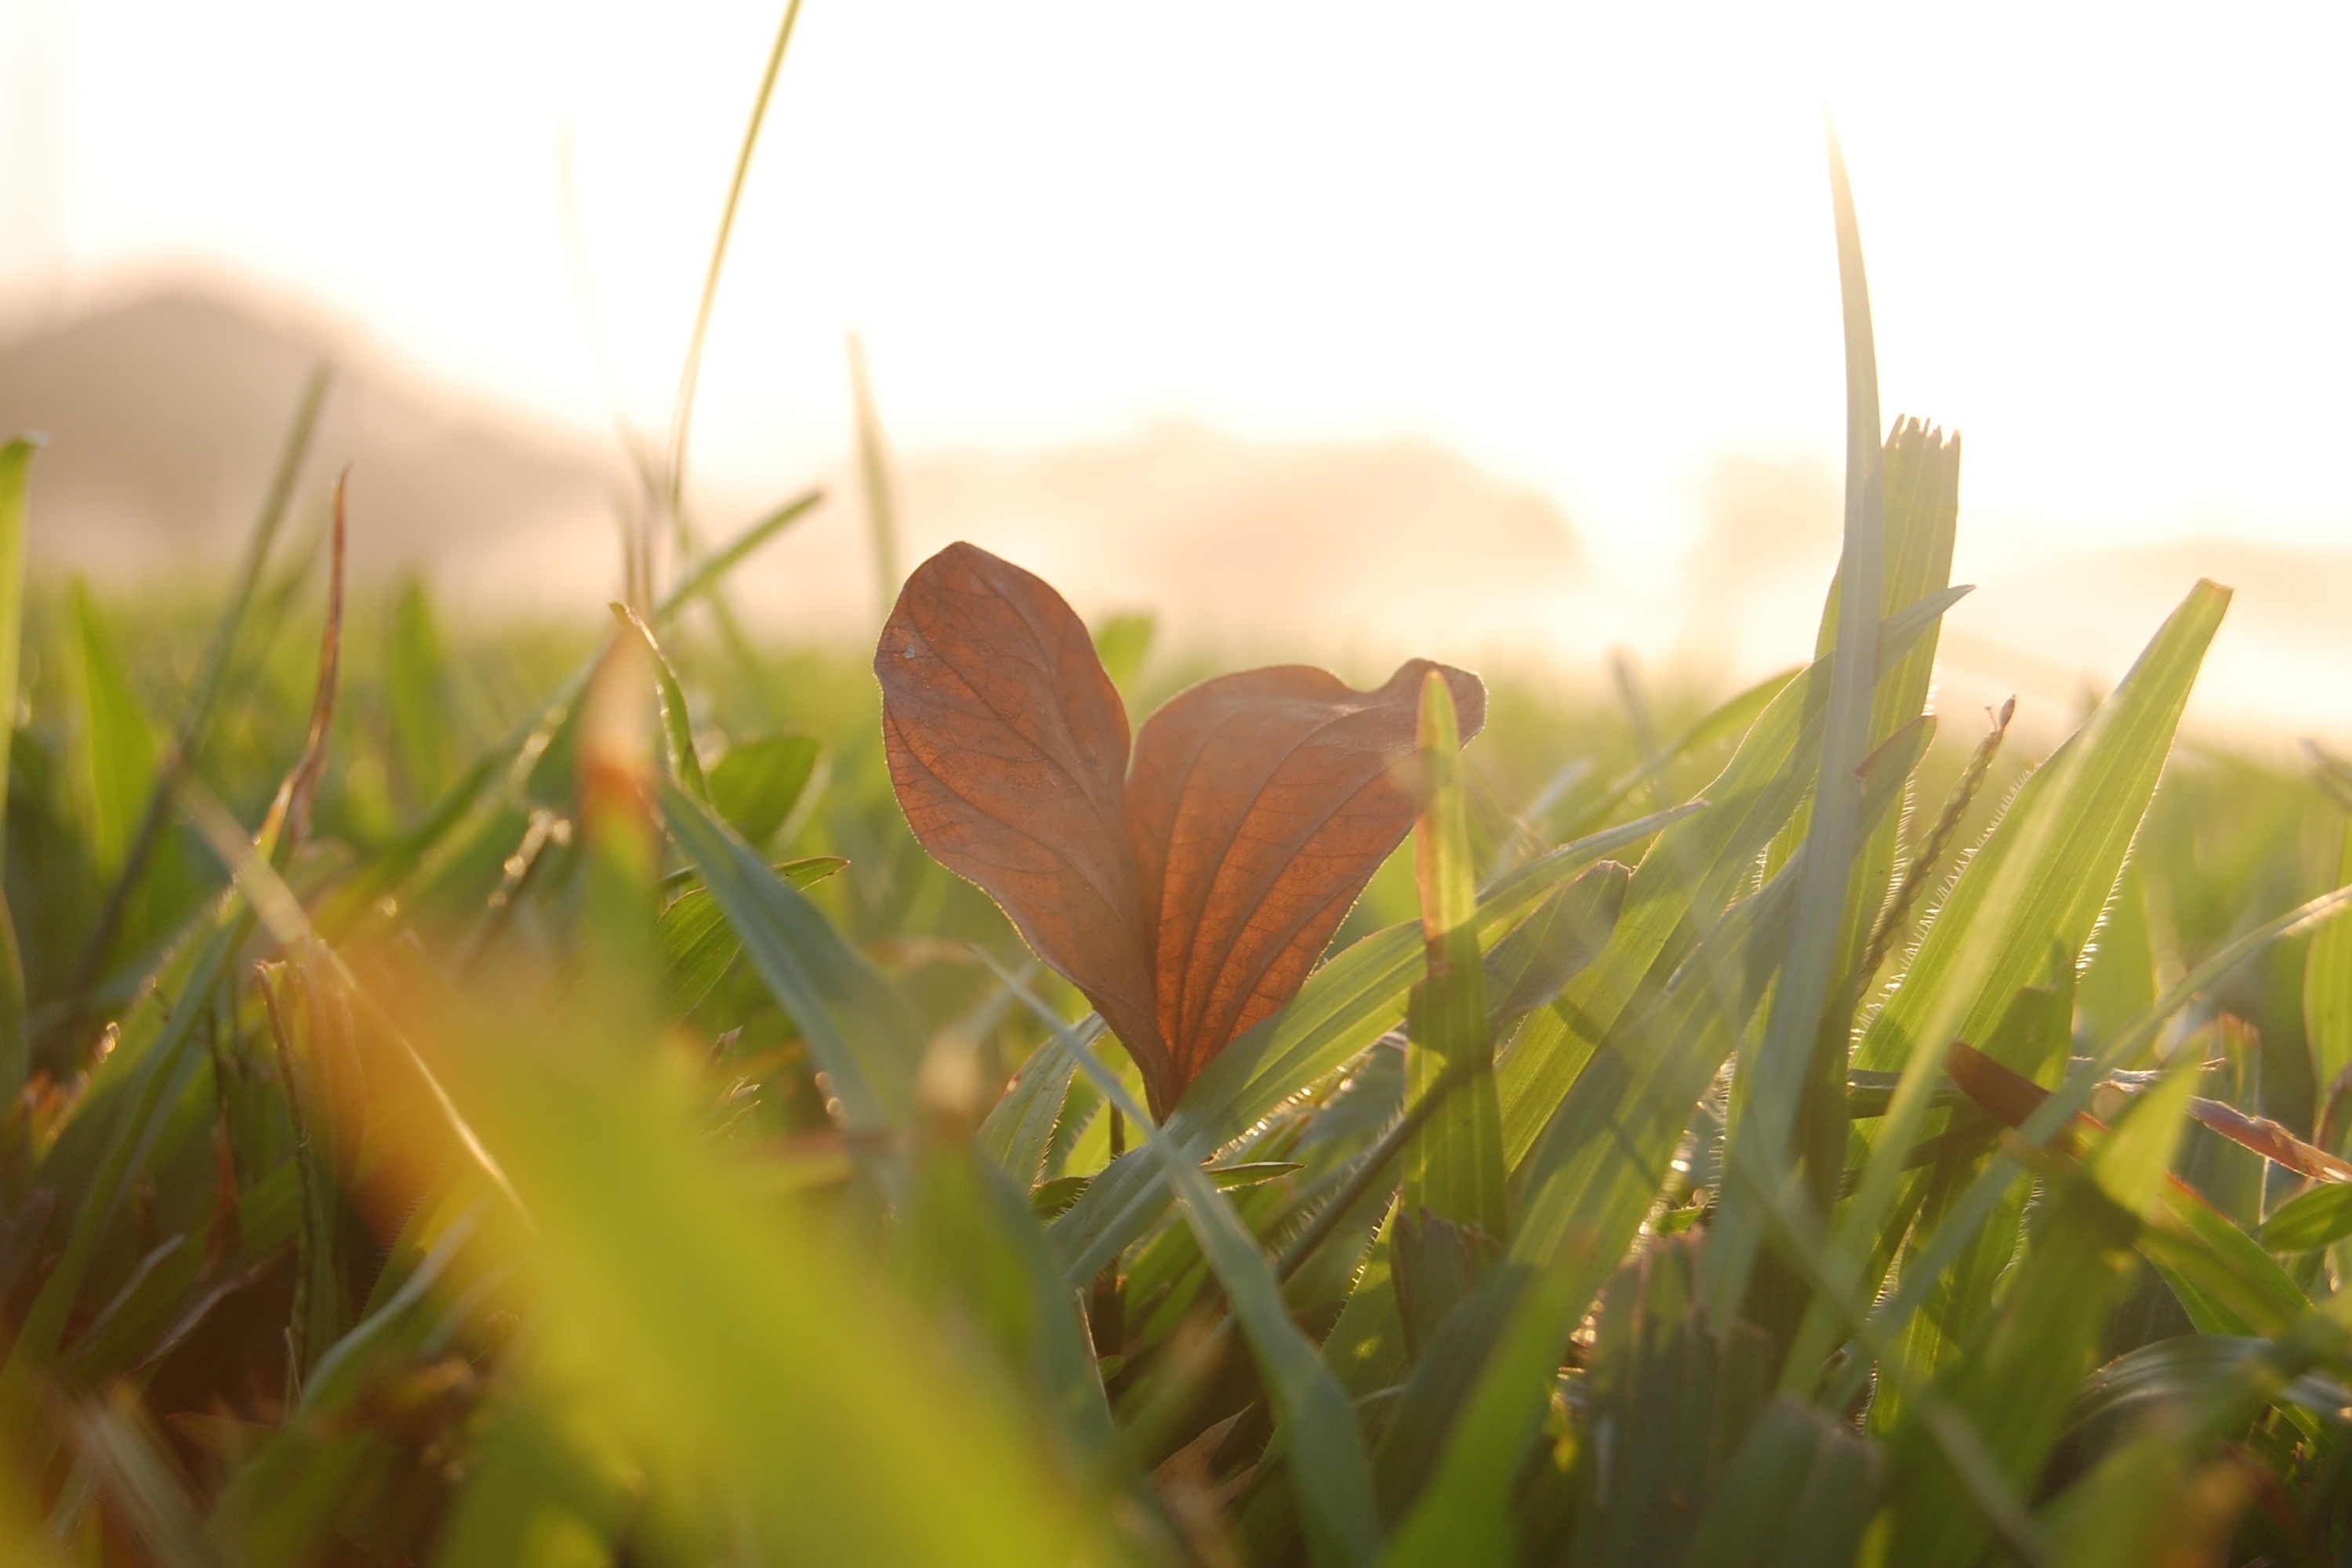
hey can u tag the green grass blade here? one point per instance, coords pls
(2327, 1019)
(16, 462)
(121, 752)
(758, 785)
(196, 719)
(696, 945)
(1453, 1166)
(1777, 1074)
(689, 376)
(677, 725)
(861, 1028)
(762, 1362)
(712, 569)
(2036, 887)
(417, 689)
(1325, 1451)
(1020, 1127)
(2309, 1221)
(1799, 1493)
(874, 467)
(1966, 1215)
(15, 467)
(1463, 1514)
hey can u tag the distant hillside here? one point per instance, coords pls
(166, 413)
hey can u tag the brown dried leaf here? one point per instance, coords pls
(1260, 804)
(1007, 746)
(1189, 895)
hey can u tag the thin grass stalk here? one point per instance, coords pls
(188, 744)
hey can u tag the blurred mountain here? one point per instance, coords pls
(1369, 546)
(166, 413)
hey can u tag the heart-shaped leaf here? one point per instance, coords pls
(1189, 895)
(1007, 745)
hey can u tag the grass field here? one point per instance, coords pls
(496, 1096)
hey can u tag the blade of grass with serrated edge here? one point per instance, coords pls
(677, 725)
(2041, 880)
(2024, 1363)
(1020, 1127)
(1586, 1187)
(1326, 1450)
(1453, 1165)
(863, 1031)
(1963, 1217)
(1344, 1006)
(1694, 867)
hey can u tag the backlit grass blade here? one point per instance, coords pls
(677, 725)
(1776, 1074)
(1686, 877)
(417, 689)
(1588, 1184)
(1020, 1126)
(861, 1028)
(1967, 1214)
(2327, 1020)
(2019, 1378)
(690, 377)
(1453, 1166)
(712, 569)
(1326, 1452)
(874, 468)
(2037, 885)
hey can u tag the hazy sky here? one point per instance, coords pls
(1589, 244)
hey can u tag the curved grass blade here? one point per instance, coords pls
(1325, 1451)
(861, 1028)
(677, 725)
(712, 569)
